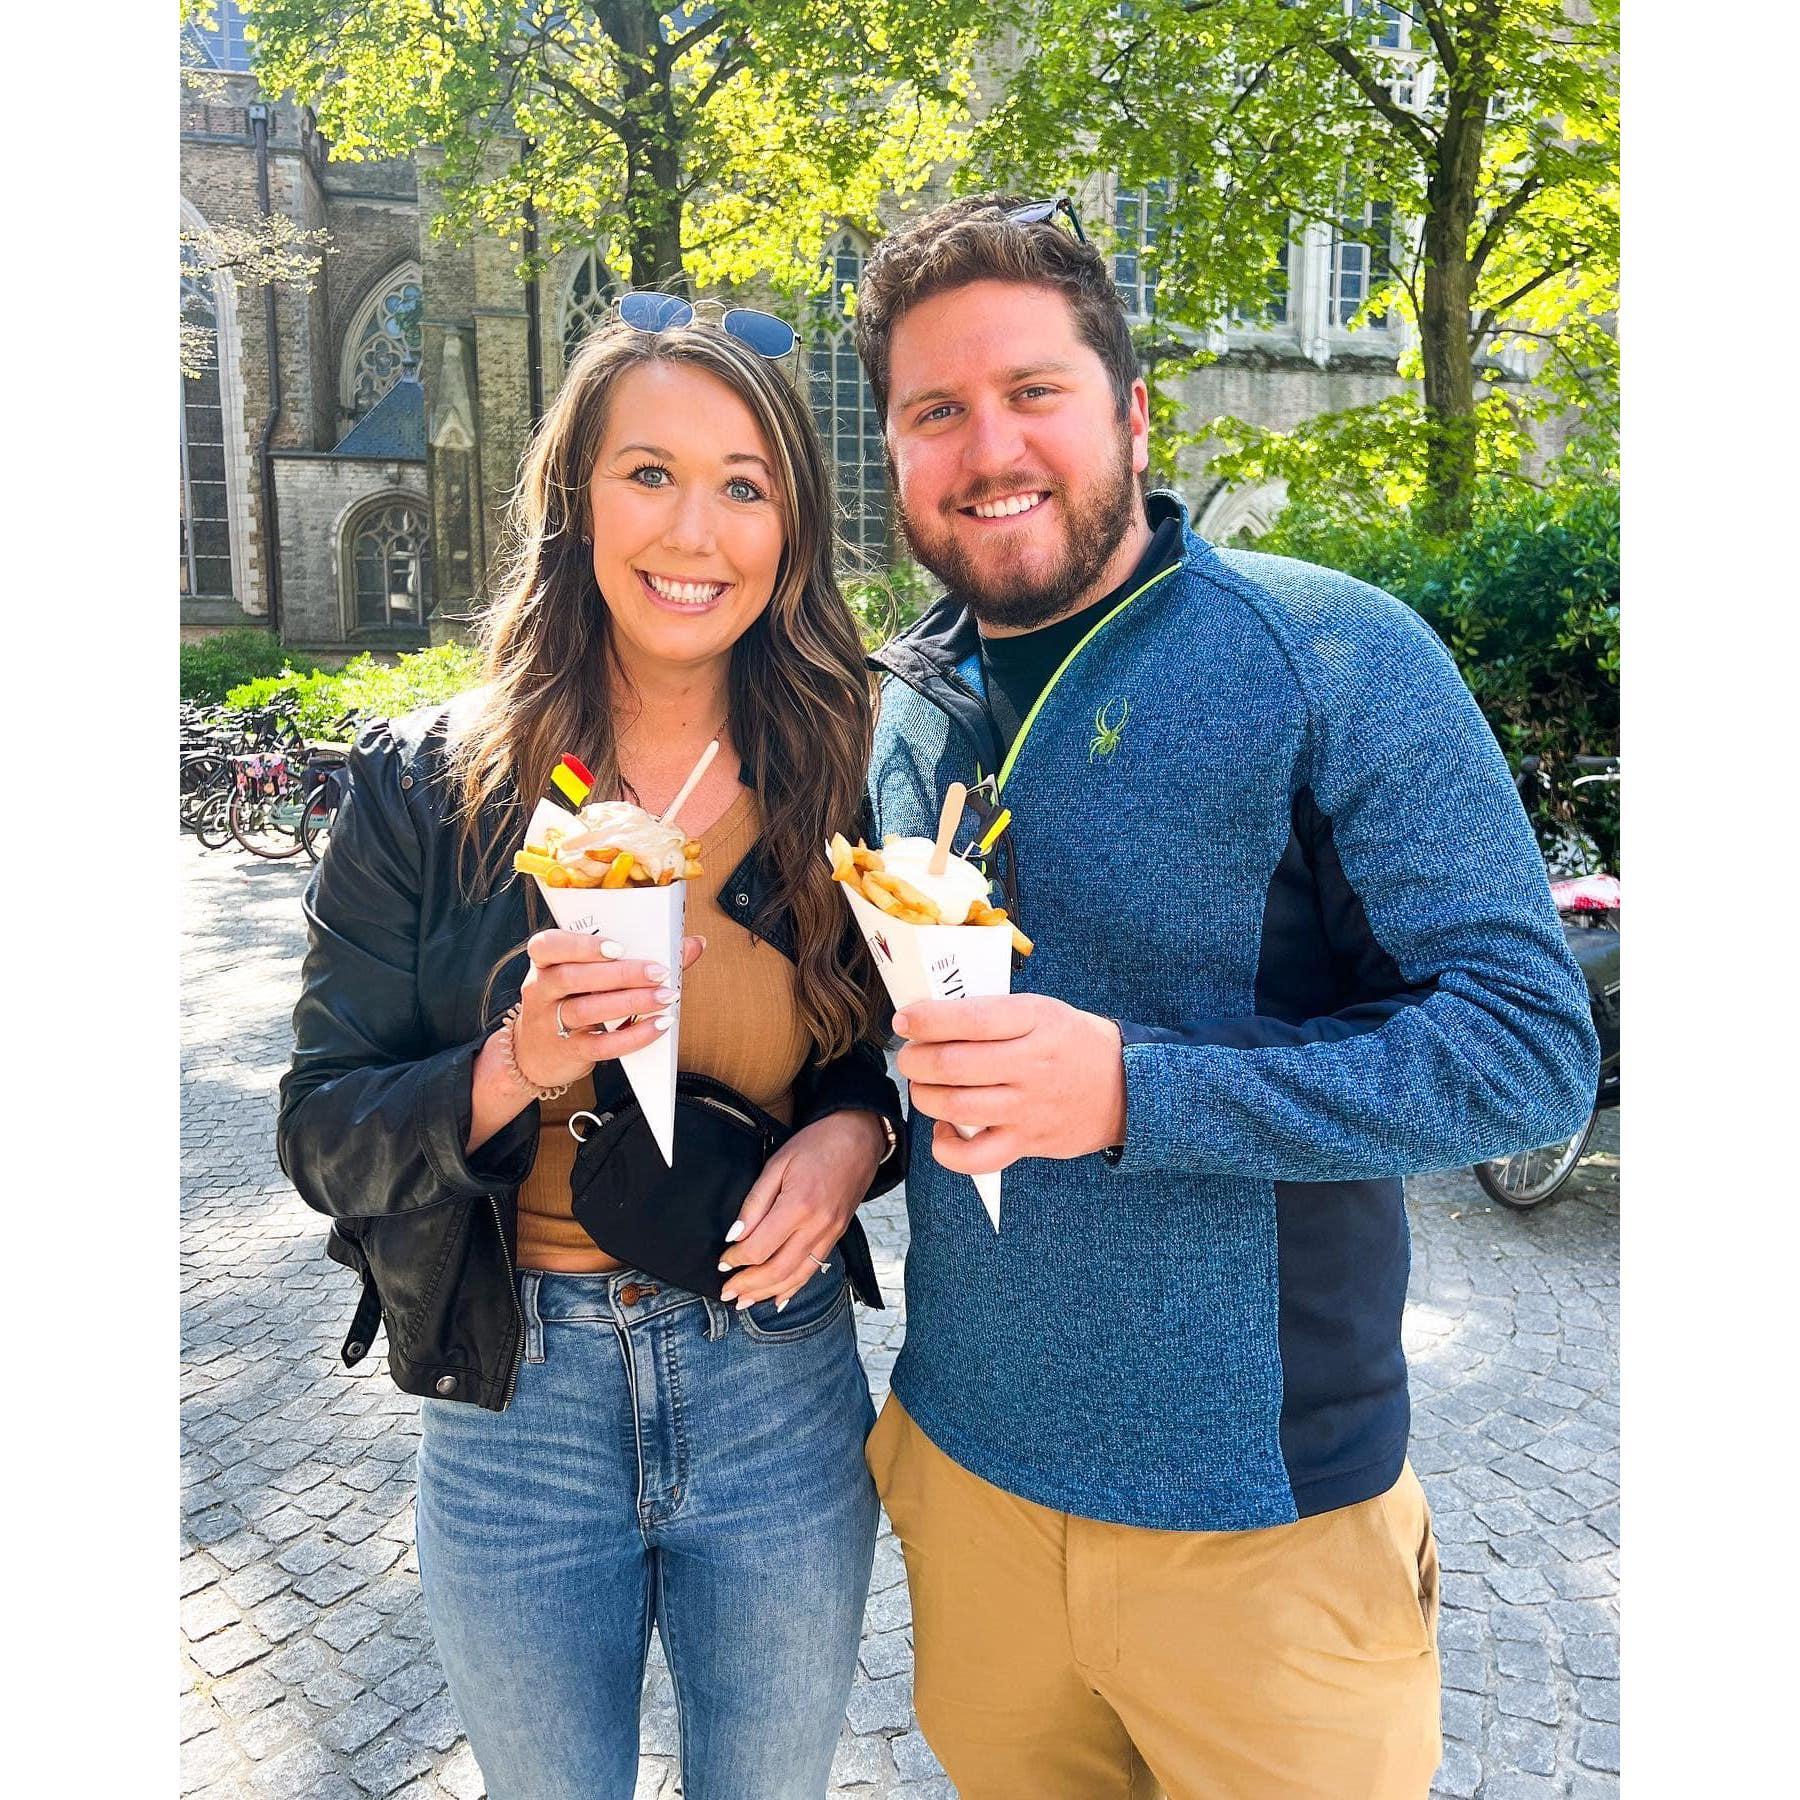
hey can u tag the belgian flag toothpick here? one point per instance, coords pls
(572, 782)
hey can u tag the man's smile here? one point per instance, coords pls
(1010, 506)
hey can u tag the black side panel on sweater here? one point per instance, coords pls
(1342, 1250)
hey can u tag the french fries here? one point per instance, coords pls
(857, 866)
(605, 866)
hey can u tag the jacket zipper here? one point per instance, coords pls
(512, 1289)
(1037, 706)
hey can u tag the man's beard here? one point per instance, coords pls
(1094, 525)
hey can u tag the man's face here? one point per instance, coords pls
(1016, 476)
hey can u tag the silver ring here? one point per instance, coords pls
(562, 1031)
(823, 1266)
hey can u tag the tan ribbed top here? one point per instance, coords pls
(738, 1025)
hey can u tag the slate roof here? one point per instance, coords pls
(393, 429)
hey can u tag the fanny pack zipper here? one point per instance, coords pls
(731, 1112)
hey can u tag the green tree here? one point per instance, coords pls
(694, 143)
(1471, 145)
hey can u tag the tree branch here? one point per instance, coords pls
(1502, 216)
(1382, 101)
(727, 66)
(1493, 314)
(1442, 41)
(679, 47)
(1583, 378)
(585, 104)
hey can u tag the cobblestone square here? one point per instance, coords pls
(307, 1670)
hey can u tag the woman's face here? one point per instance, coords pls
(687, 518)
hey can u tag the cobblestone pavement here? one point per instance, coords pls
(307, 1670)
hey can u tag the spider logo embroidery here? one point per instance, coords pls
(1107, 733)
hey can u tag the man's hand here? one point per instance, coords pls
(1039, 1077)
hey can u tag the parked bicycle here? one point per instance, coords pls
(1589, 907)
(284, 801)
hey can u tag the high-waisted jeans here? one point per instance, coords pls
(665, 1460)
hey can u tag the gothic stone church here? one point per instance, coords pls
(347, 455)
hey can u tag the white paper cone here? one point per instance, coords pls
(939, 962)
(646, 923)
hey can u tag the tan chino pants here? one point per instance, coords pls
(1060, 1658)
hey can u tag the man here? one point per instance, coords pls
(1145, 1450)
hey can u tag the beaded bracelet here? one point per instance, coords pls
(510, 1053)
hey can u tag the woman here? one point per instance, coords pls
(602, 1449)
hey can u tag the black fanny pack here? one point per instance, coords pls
(671, 1222)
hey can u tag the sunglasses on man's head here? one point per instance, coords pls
(762, 332)
(1041, 212)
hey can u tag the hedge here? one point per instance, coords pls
(366, 687)
(1527, 601)
(215, 665)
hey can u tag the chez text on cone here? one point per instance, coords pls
(939, 962)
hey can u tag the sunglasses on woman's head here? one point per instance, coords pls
(762, 332)
(1042, 212)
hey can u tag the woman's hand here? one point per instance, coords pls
(801, 1205)
(593, 982)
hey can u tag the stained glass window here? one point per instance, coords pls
(844, 410)
(205, 514)
(390, 562)
(587, 303)
(389, 343)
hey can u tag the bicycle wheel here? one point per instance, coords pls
(212, 822)
(316, 822)
(1531, 1177)
(202, 776)
(267, 825)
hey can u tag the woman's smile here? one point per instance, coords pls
(683, 595)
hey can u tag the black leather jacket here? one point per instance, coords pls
(376, 1105)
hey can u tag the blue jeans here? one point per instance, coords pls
(665, 1460)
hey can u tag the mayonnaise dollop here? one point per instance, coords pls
(960, 887)
(654, 846)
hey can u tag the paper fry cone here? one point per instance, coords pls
(939, 962)
(646, 923)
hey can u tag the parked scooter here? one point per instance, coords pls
(1589, 905)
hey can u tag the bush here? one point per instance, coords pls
(1527, 601)
(366, 687)
(215, 665)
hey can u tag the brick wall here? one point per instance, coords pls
(314, 496)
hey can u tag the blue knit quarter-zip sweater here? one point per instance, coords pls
(1259, 820)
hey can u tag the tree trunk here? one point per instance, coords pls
(1450, 424)
(654, 204)
(1444, 312)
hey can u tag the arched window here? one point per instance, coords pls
(385, 341)
(587, 301)
(844, 410)
(1238, 515)
(205, 505)
(388, 557)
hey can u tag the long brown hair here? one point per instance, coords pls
(801, 699)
